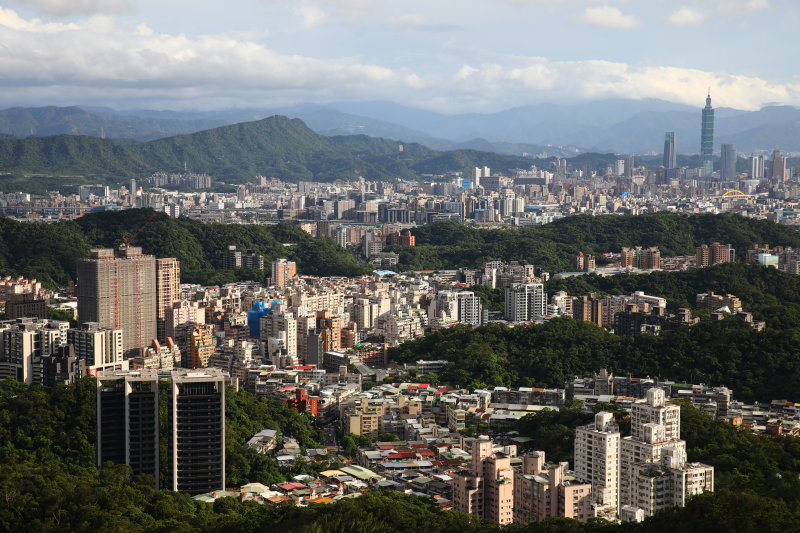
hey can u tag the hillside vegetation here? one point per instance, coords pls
(276, 146)
(49, 252)
(448, 245)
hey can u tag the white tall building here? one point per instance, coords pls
(525, 302)
(756, 166)
(341, 236)
(463, 306)
(24, 343)
(280, 321)
(654, 471)
(619, 167)
(597, 462)
(101, 347)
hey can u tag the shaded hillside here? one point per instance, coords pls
(49, 252)
(447, 245)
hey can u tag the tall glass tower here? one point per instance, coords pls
(670, 156)
(707, 138)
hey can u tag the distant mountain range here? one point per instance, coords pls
(620, 126)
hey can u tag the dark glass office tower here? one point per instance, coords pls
(707, 138)
(198, 430)
(127, 420)
(670, 156)
(728, 163)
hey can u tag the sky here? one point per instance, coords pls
(441, 55)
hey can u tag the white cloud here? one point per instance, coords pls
(11, 19)
(309, 16)
(608, 17)
(686, 16)
(102, 61)
(67, 8)
(734, 7)
(410, 19)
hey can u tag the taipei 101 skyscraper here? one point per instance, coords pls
(707, 138)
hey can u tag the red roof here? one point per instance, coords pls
(424, 452)
(384, 447)
(422, 385)
(394, 456)
(292, 486)
(408, 455)
(287, 388)
(418, 446)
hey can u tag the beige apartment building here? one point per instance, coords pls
(120, 293)
(168, 291)
(368, 419)
(541, 491)
(487, 490)
(282, 271)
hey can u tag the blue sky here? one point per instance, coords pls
(448, 56)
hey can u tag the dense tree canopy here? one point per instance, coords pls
(49, 252)
(448, 245)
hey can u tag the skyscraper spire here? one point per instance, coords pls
(707, 137)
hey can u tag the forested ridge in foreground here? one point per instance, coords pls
(49, 252)
(49, 482)
(449, 245)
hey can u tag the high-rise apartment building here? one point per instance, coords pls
(707, 138)
(706, 255)
(197, 440)
(340, 236)
(181, 317)
(728, 162)
(525, 302)
(654, 472)
(253, 260)
(202, 344)
(280, 324)
(26, 305)
(232, 258)
(461, 306)
(670, 155)
(542, 491)
(619, 167)
(127, 420)
(24, 343)
(755, 164)
(487, 490)
(101, 347)
(777, 166)
(629, 166)
(120, 293)
(597, 462)
(642, 258)
(282, 271)
(168, 291)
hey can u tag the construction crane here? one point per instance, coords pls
(128, 242)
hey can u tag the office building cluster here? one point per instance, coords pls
(129, 422)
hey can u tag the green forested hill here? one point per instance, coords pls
(275, 146)
(49, 252)
(447, 245)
